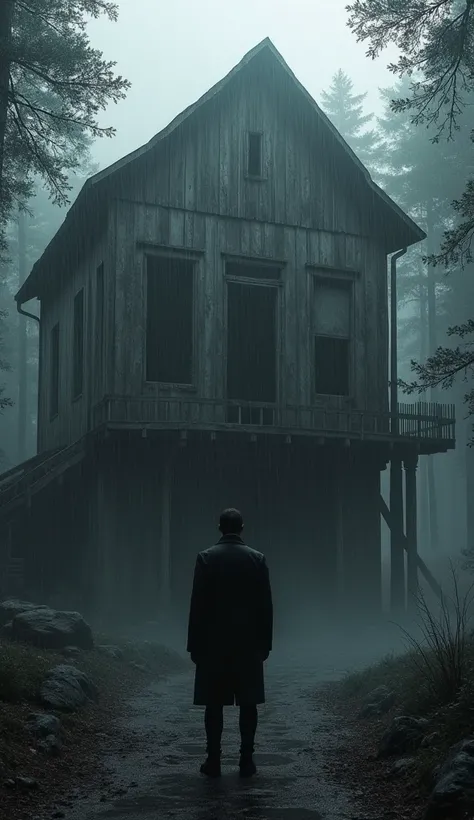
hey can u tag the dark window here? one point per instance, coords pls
(54, 375)
(99, 318)
(332, 332)
(169, 331)
(254, 167)
(252, 270)
(331, 357)
(252, 342)
(78, 345)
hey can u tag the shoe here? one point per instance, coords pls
(247, 767)
(211, 767)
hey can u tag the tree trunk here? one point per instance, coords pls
(6, 19)
(432, 345)
(22, 345)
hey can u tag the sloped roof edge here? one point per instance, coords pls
(265, 44)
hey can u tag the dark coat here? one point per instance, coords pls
(230, 623)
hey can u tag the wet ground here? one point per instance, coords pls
(158, 776)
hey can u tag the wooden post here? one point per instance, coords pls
(410, 465)
(166, 534)
(397, 556)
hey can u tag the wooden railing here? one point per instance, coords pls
(434, 422)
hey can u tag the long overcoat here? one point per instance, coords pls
(230, 623)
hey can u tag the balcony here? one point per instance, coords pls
(432, 426)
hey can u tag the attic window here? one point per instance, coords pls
(254, 166)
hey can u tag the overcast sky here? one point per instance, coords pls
(172, 51)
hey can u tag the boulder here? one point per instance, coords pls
(453, 793)
(67, 689)
(12, 607)
(378, 702)
(404, 734)
(52, 629)
(43, 724)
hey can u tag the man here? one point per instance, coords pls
(229, 638)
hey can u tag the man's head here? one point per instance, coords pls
(230, 522)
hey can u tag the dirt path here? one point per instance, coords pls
(157, 775)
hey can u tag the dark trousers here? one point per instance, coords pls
(214, 723)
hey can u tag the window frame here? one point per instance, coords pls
(54, 413)
(77, 394)
(194, 257)
(345, 278)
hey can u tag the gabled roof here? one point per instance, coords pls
(415, 234)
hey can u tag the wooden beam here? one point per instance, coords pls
(429, 577)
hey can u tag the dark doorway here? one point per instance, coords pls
(169, 331)
(252, 342)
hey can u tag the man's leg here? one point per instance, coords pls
(248, 721)
(214, 722)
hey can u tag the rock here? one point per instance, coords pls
(378, 702)
(67, 688)
(52, 629)
(113, 651)
(26, 782)
(403, 735)
(43, 724)
(377, 694)
(71, 651)
(403, 765)
(429, 740)
(12, 607)
(51, 745)
(140, 667)
(454, 790)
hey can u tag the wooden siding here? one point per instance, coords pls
(143, 229)
(72, 420)
(201, 167)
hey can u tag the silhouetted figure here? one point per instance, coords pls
(229, 638)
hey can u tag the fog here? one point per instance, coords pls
(116, 537)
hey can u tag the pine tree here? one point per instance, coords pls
(53, 85)
(346, 112)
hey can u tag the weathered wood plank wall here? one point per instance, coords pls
(142, 228)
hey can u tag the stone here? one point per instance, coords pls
(112, 651)
(453, 792)
(52, 629)
(51, 745)
(43, 724)
(66, 688)
(71, 652)
(12, 607)
(378, 702)
(403, 765)
(140, 667)
(429, 740)
(26, 782)
(404, 734)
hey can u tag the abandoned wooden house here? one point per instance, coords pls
(214, 331)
